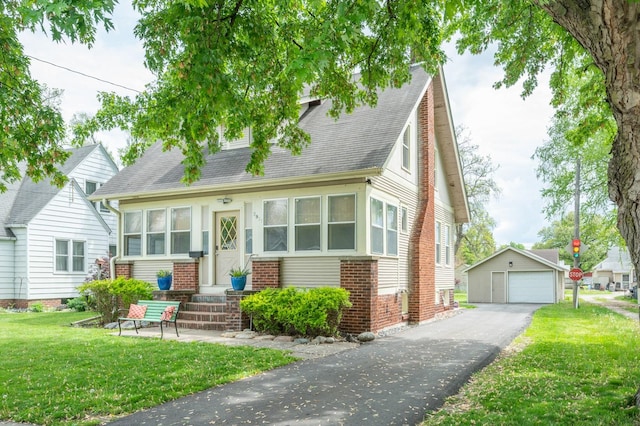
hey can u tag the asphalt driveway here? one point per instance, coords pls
(393, 380)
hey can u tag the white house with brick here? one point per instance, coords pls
(369, 206)
(50, 236)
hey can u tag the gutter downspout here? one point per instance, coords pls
(112, 261)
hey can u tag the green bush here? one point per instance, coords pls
(306, 312)
(36, 307)
(110, 295)
(78, 304)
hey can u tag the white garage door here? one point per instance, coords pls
(531, 287)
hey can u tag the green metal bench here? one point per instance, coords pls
(154, 311)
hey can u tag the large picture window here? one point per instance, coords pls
(341, 228)
(275, 225)
(180, 230)
(70, 256)
(156, 229)
(307, 224)
(133, 233)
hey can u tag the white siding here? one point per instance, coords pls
(21, 278)
(445, 273)
(67, 216)
(394, 163)
(96, 167)
(389, 276)
(7, 274)
(311, 272)
(147, 270)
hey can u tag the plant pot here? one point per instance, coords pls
(238, 283)
(164, 283)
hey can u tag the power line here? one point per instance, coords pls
(83, 74)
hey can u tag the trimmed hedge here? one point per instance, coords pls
(296, 311)
(107, 296)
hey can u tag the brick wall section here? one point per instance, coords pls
(124, 269)
(265, 273)
(442, 306)
(186, 275)
(183, 296)
(359, 276)
(236, 320)
(389, 311)
(422, 245)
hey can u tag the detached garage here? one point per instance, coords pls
(516, 276)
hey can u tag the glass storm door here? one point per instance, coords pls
(227, 252)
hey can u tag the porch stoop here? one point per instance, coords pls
(204, 312)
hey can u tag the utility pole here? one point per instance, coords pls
(576, 230)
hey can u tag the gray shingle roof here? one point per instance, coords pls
(355, 142)
(24, 199)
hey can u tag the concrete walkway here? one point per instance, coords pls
(393, 380)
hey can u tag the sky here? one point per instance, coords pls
(503, 125)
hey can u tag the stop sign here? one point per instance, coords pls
(575, 274)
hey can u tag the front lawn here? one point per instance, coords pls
(55, 374)
(570, 367)
(460, 296)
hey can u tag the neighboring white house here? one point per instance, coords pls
(511, 275)
(616, 268)
(370, 205)
(50, 236)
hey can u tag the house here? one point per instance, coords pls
(512, 275)
(50, 236)
(615, 268)
(369, 206)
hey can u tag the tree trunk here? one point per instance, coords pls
(607, 30)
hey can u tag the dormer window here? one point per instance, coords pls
(406, 149)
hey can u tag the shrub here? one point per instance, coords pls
(307, 312)
(110, 295)
(78, 304)
(36, 307)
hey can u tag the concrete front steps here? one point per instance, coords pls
(204, 312)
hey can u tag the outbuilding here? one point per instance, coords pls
(512, 275)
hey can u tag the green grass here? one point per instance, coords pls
(54, 374)
(461, 297)
(575, 367)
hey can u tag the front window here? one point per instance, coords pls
(392, 230)
(70, 256)
(156, 227)
(307, 223)
(342, 222)
(447, 244)
(438, 242)
(404, 220)
(377, 226)
(180, 230)
(275, 225)
(132, 233)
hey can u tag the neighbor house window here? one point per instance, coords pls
(132, 233)
(447, 244)
(90, 188)
(275, 225)
(377, 226)
(438, 242)
(341, 227)
(307, 224)
(392, 230)
(156, 229)
(70, 256)
(406, 149)
(180, 230)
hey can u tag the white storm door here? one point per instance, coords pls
(226, 246)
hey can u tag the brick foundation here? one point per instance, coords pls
(389, 311)
(186, 275)
(236, 320)
(124, 269)
(265, 273)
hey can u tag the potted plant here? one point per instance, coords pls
(239, 278)
(164, 279)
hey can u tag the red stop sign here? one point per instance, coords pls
(575, 274)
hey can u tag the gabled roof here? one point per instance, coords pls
(356, 145)
(618, 260)
(25, 199)
(525, 253)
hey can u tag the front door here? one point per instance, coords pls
(226, 249)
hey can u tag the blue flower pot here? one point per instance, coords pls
(238, 283)
(164, 283)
